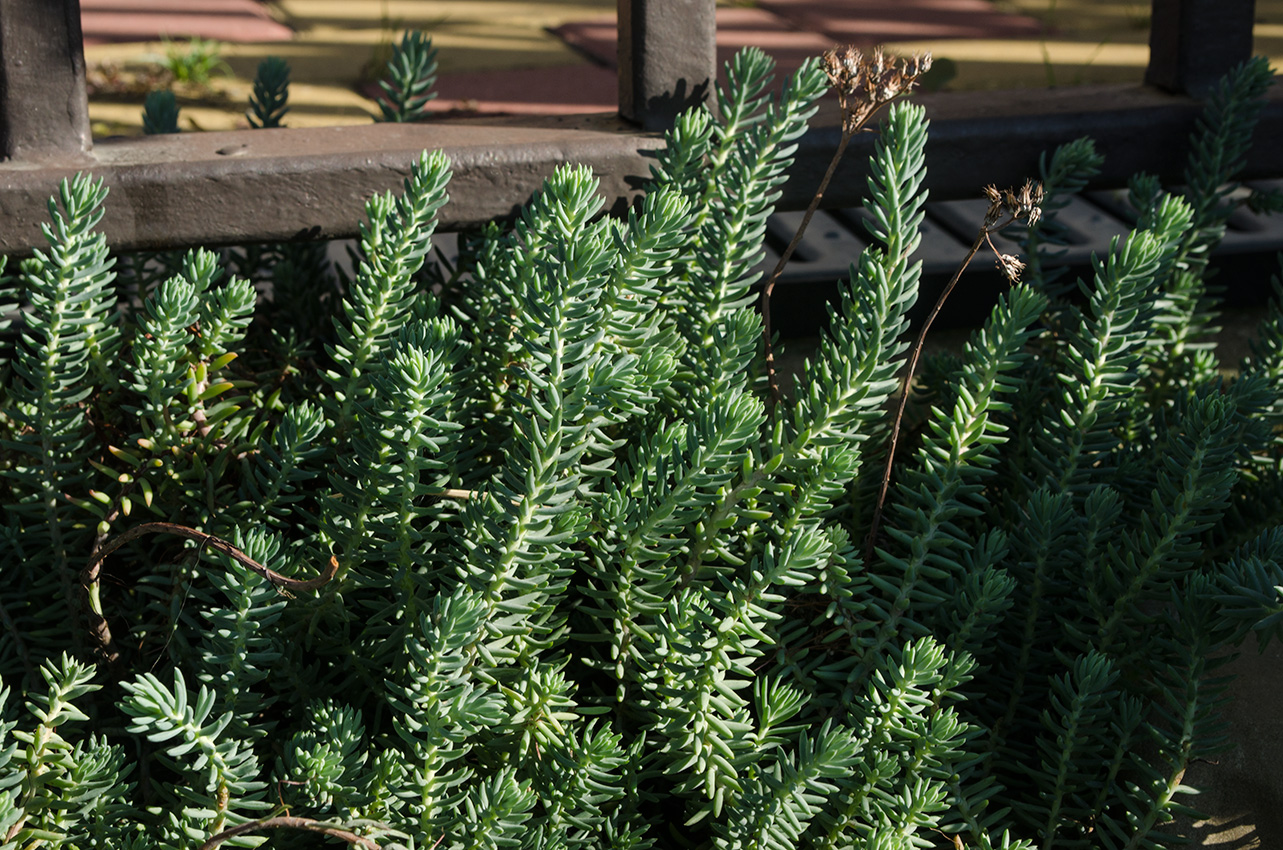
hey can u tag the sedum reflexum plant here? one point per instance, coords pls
(514, 553)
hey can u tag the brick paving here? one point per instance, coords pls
(794, 30)
(736, 28)
(111, 21)
(869, 22)
(790, 30)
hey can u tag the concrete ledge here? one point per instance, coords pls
(271, 185)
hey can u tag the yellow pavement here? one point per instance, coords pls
(340, 43)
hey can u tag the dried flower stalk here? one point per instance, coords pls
(1005, 208)
(290, 822)
(864, 84)
(100, 633)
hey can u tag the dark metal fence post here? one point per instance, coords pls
(43, 108)
(667, 58)
(1193, 43)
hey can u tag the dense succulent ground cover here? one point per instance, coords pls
(521, 551)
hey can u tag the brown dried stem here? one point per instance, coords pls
(771, 378)
(1004, 208)
(89, 576)
(904, 395)
(290, 822)
(92, 568)
(864, 84)
(91, 604)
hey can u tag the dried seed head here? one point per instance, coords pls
(916, 65)
(1029, 202)
(1011, 267)
(994, 213)
(1007, 206)
(865, 83)
(1024, 205)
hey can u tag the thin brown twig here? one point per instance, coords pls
(91, 607)
(772, 379)
(95, 561)
(290, 822)
(1004, 209)
(904, 394)
(99, 629)
(182, 603)
(864, 84)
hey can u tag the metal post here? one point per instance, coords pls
(667, 58)
(1193, 43)
(44, 111)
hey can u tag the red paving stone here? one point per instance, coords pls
(792, 30)
(736, 28)
(789, 30)
(108, 21)
(565, 90)
(869, 22)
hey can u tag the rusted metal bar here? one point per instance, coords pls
(44, 112)
(667, 58)
(269, 185)
(1193, 43)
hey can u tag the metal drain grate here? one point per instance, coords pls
(834, 239)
